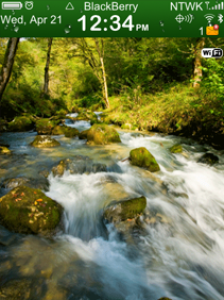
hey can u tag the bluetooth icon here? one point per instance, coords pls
(220, 18)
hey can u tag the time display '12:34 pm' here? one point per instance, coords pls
(115, 24)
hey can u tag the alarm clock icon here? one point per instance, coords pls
(29, 5)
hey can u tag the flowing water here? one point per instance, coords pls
(180, 253)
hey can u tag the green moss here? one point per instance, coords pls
(45, 126)
(141, 157)
(20, 124)
(176, 149)
(58, 130)
(21, 212)
(102, 135)
(44, 142)
(124, 210)
(70, 132)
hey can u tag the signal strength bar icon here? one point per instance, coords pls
(219, 6)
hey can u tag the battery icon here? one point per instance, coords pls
(12, 5)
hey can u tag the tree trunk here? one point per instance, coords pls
(197, 75)
(104, 81)
(46, 74)
(105, 90)
(8, 64)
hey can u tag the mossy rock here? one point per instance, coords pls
(44, 142)
(45, 126)
(20, 124)
(60, 168)
(209, 159)
(141, 157)
(83, 134)
(70, 132)
(176, 149)
(102, 135)
(4, 150)
(58, 130)
(124, 210)
(28, 210)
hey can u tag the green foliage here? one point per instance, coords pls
(213, 81)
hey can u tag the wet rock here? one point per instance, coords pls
(14, 182)
(113, 191)
(141, 157)
(164, 298)
(44, 142)
(70, 132)
(124, 210)
(154, 218)
(20, 124)
(59, 169)
(58, 130)
(83, 134)
(44, 173)
(95, 168)
(209, 159)
(41, 183)
(4, 150)
(78, 165)
(124, 215)
(176, 149)
(28, 210)
(45, 126)
(102, 135)
(16, 290)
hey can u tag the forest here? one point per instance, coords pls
(111, 169)
(159, 84)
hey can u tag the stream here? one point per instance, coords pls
(180, 255)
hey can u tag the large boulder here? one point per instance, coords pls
(44, 142)
(28, 210)
(58, 130)
(45, 126)
(123, 210)
(78, 165)
(141, 157)
(70, 132)
(20, 124)
(124, 215)
(67, 131)
(176, 149)
(209, 159)
(102, 135)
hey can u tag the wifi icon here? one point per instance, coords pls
(209, 17)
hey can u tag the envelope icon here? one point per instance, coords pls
(211, 31)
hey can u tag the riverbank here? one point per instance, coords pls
(179, 110)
